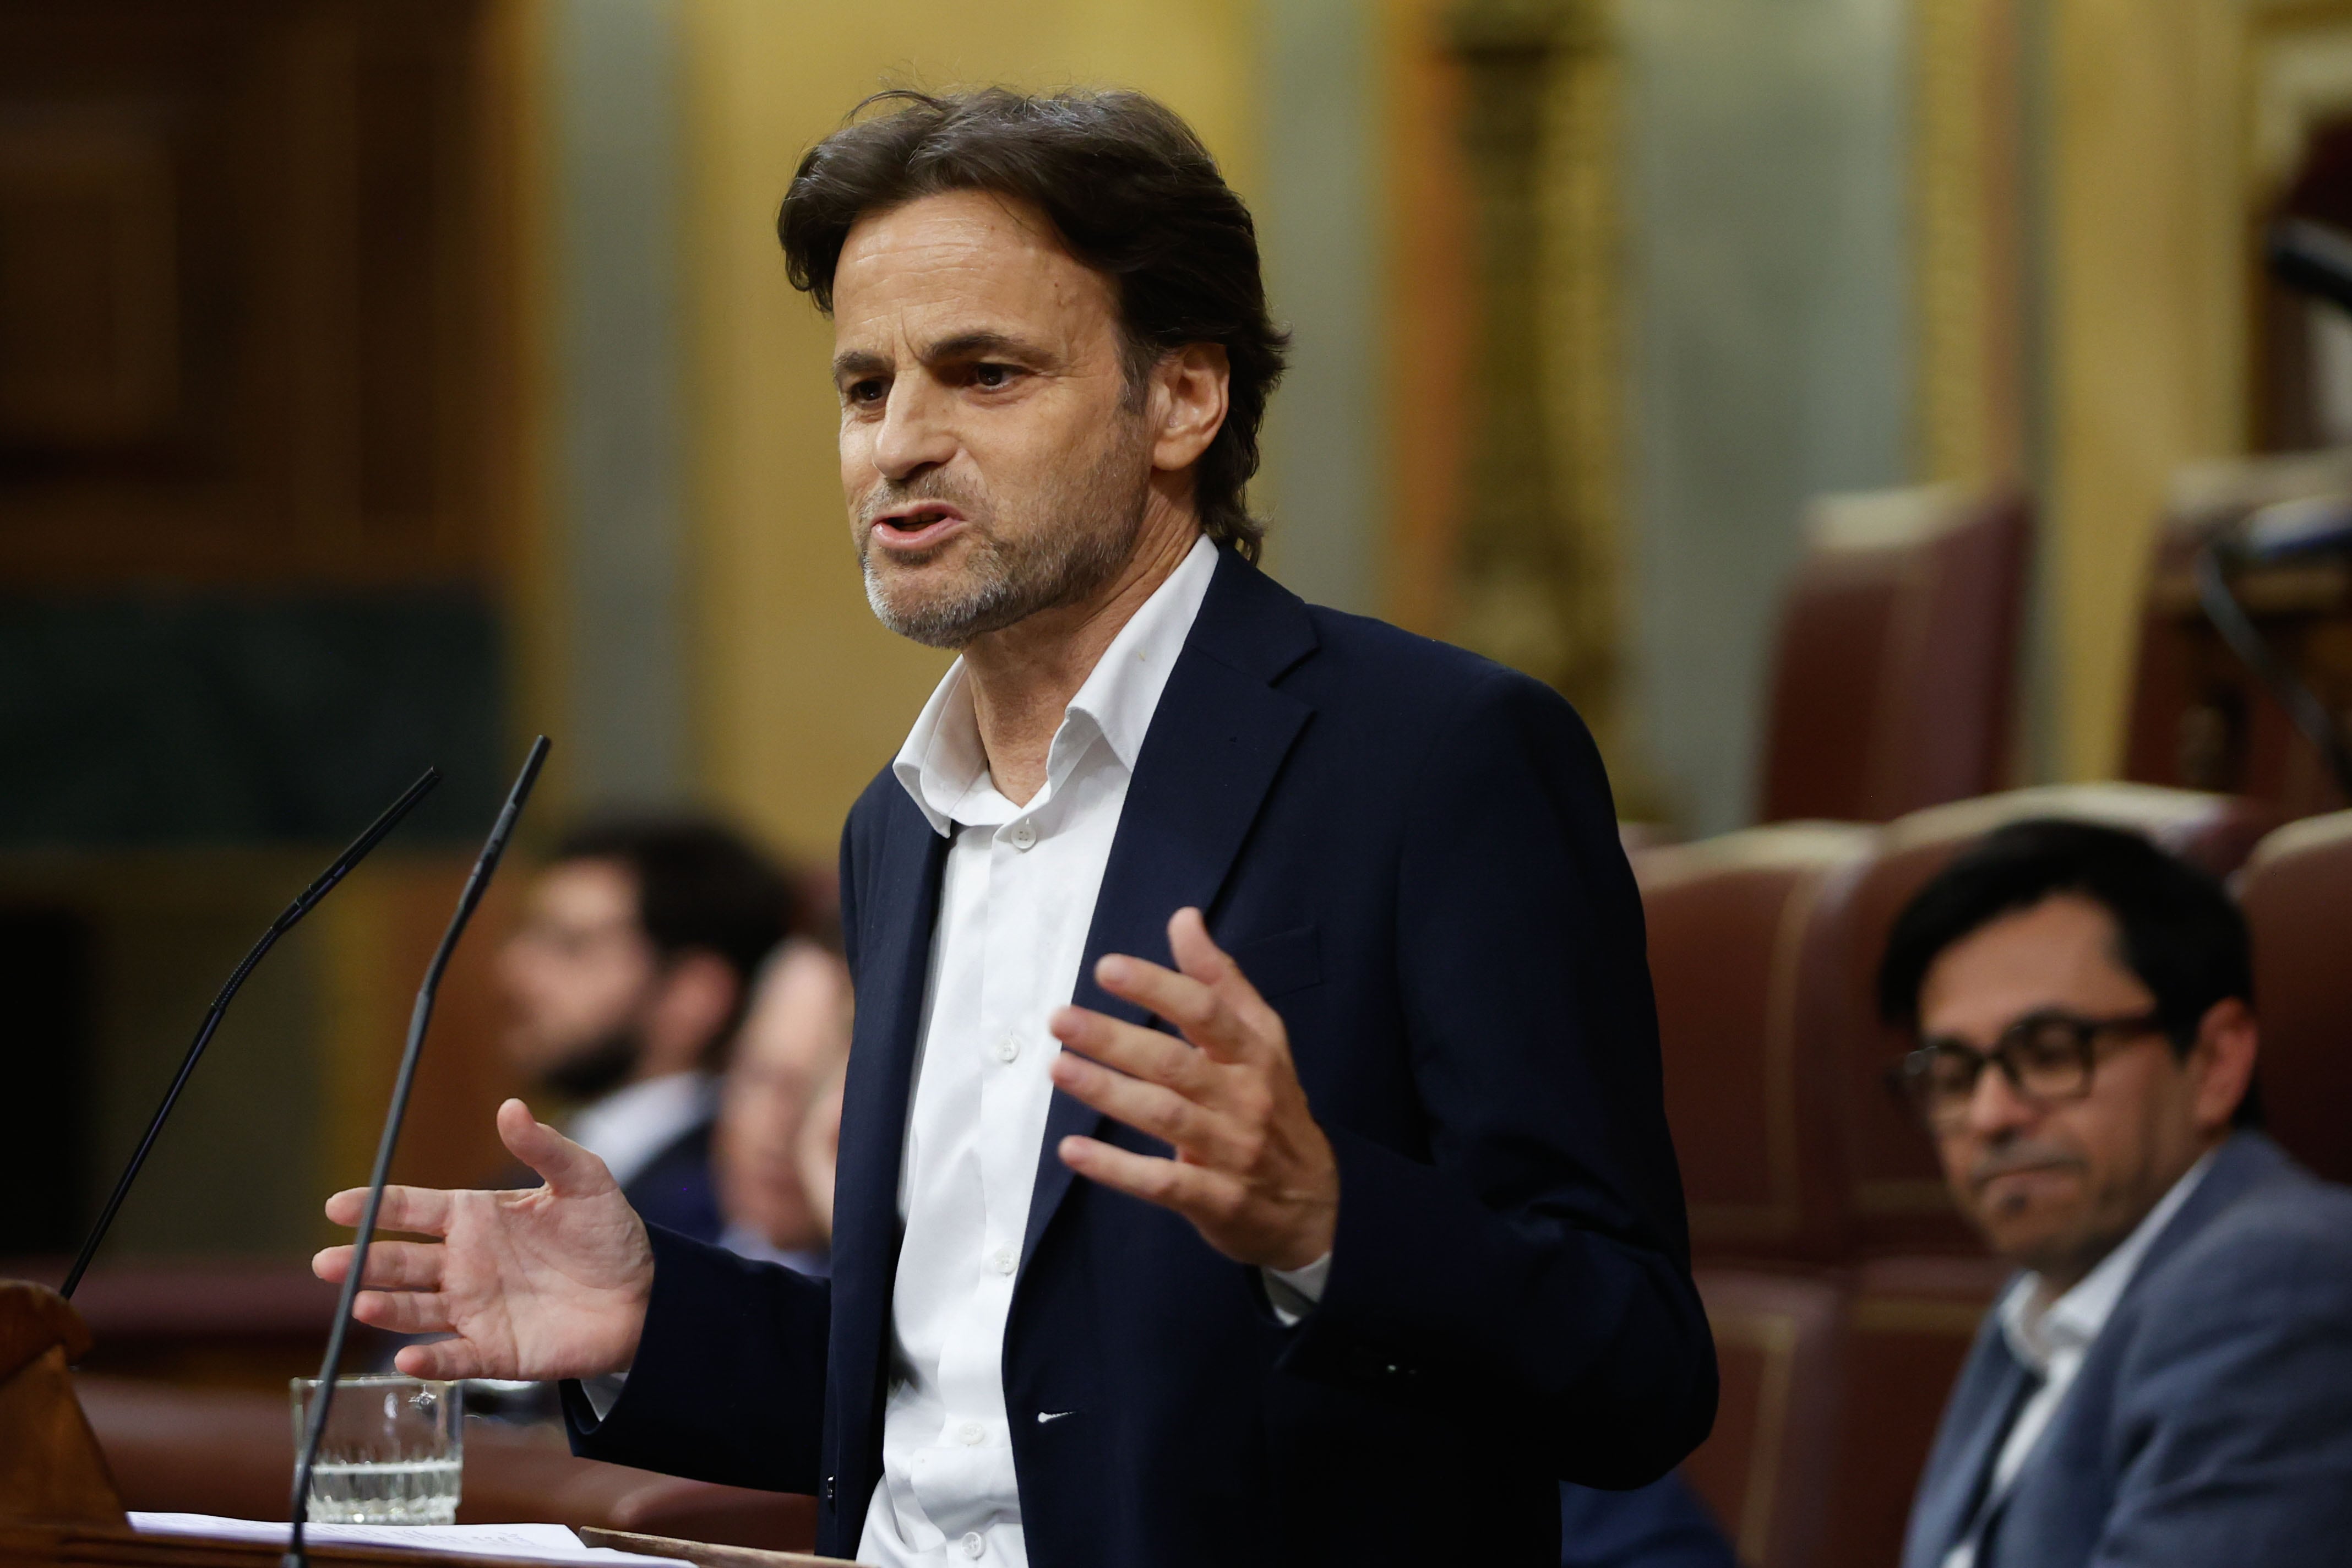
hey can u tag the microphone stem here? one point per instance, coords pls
(420, 1017)
(2303, 708)
(302, 905)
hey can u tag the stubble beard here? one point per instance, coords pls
(1088, 532)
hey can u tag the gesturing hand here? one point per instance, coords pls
(541, 1284)
(1253, 1171)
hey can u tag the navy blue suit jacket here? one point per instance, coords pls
(1411, 852)
(2211, 1421)
(677, 1188)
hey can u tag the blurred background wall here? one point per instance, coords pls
(383, 381)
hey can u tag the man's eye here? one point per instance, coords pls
(868, 390)
(991, 376)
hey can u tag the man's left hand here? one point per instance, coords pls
(1253, 1171)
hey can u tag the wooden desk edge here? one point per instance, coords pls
(45, 1546)
(702, 1553)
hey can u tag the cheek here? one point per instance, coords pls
(856, 455)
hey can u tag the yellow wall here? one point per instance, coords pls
(2145, 354)
(802, 695)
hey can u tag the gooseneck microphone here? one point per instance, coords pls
(418, 1020)
(302, 906)
(2312, 258)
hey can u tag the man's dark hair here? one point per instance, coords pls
(1132, 193)
(701, 888)
(2179, 930)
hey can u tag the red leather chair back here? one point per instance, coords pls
(1894, 674)
(2297, 894)
(1749, 1087)
(1909, 1324)
(1765, 1470)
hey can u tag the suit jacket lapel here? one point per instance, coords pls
(894, 958)
(1216, 742)
(1983, 1403)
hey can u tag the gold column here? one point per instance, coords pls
(1537, 574)
(1970, 233)
(2146, 294)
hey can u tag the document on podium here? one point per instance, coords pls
(524, 1542)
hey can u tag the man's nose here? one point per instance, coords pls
(1997, 1106)
(915, 433)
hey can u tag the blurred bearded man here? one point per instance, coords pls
(625, 985)
(1253, 1147)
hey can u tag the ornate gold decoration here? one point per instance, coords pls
(1538, 565)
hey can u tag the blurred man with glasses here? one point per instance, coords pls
(2168, 1379)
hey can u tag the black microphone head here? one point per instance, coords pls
(2311, 259)
(2294, 530)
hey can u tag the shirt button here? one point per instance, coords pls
(973, 1435)
(1024, 835)
(1007, 1048)
(1002, 1260)
(974, 1543)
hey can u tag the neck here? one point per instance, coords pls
(2055, 1279)
(1023, 677)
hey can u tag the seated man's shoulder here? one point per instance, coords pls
(2281, 1254)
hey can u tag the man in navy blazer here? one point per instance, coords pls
(1344, 1225)
(2169, 1379)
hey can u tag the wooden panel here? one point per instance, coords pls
(253, 292)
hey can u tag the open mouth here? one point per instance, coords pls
(916, 525)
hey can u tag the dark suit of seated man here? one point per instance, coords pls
(1253, 1148)
(2170, 1378)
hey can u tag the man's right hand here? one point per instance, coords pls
(541, 1284)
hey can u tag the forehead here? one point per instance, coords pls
(961, 261)
(587, 892)
(2062, 952)
(797, 1005)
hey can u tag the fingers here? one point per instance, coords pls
(1210, 1001)
(392, 1266)
(1163, 1113)
(402, 1311)
(1195, 954)
(1142, 1053)
(441, 1359)
(420, 1211)
(568, 1170)
(1208, 1198)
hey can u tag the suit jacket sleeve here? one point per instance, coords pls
(729, 1380)
(2233, 1421)
(1534, 1273)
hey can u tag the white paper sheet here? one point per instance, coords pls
(527, 1542)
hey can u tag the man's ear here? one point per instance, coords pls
(1190, 390)
(692, 1001)
(2222, 1062)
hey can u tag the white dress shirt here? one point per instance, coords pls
(2052, 1340)
(1016, 901)
(629, 1126)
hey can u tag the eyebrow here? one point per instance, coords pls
(981, 343)
(855, 364)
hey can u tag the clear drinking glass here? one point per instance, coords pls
(392, 1454)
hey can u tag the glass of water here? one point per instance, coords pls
(392, 1454)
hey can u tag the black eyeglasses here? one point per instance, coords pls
(2045, 1057)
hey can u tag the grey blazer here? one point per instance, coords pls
(2211, 1421)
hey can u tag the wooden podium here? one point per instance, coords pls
(59, 1505)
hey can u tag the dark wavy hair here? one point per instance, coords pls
(701, 888)
(1132, 193)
